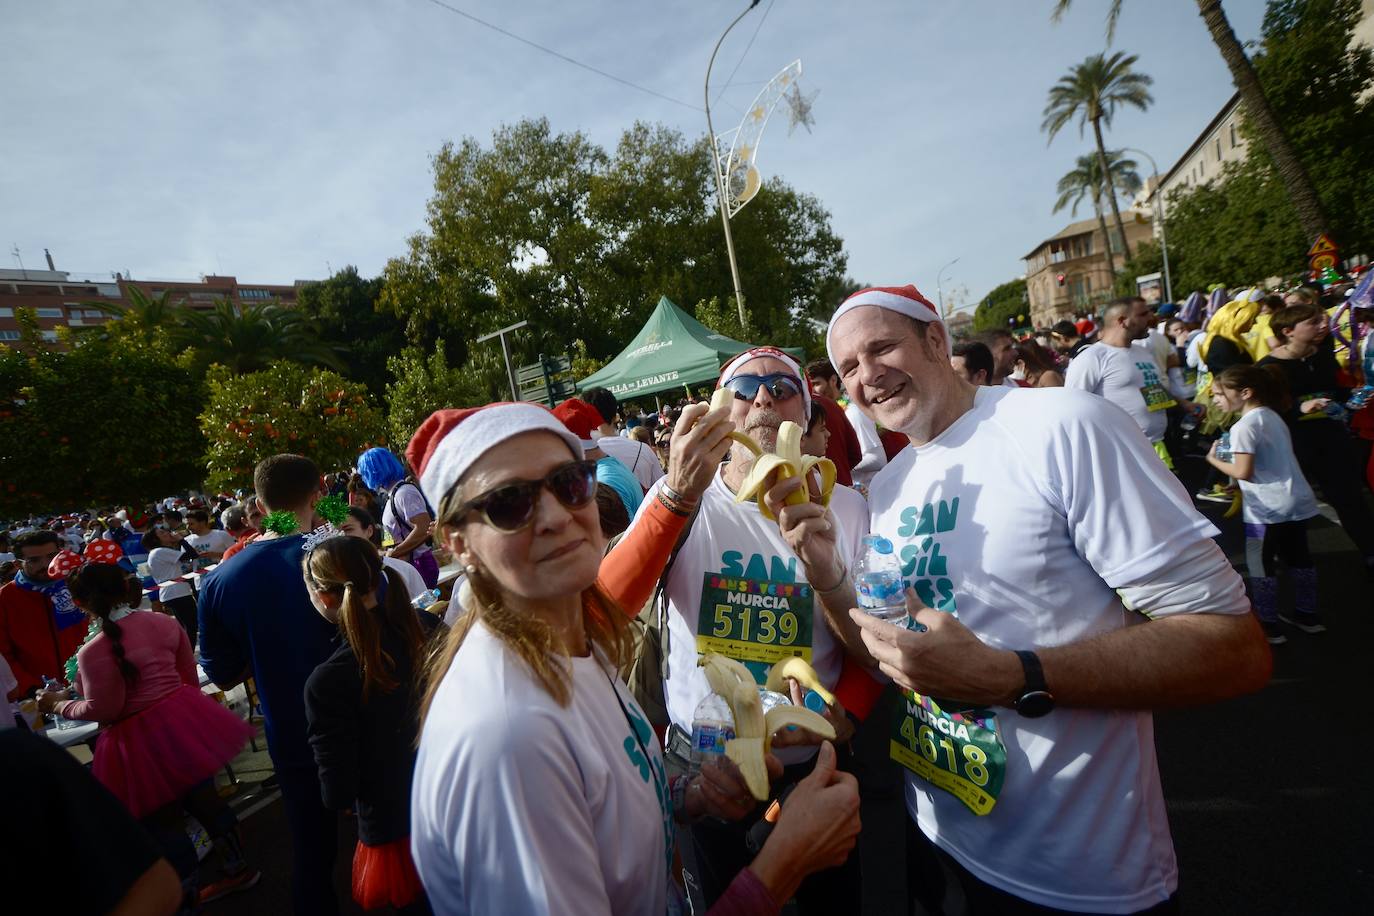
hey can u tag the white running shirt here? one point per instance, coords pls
(1119, 374)
(1025, 516)
(522, 806)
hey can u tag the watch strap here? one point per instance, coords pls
(1035, 674)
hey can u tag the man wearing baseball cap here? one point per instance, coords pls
(1062, 586)
(582, 420)
(735, 587)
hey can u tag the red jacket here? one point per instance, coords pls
(843, 447)
(30, 639)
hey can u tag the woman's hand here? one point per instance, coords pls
(49, 700)
(817, 828)
(700, 441)
(720, 790)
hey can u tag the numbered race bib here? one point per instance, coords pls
(1190, 378)
(754, 621)
(1156, 398)
(959, 752)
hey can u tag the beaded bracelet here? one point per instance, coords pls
(672, 506)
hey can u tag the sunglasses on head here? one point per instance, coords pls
(510, 506)
(780, 385)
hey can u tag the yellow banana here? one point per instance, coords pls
(753, 729)
(721, 399)
(800, 671)
(1234, 509)
(788, 462)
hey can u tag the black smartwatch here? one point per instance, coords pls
(1036, 699)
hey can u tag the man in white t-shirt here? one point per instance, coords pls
(639, 458)
(736, 588)
(1126, 372)
(1027, 522)
(210, 543)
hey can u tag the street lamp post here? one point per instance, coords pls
(715, 168)
(1159, 221)
(939, 286)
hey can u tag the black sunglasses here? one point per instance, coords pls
(779, 384)
(510, 506)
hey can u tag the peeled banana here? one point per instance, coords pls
(800, 671)
(788, 462)
(754, 729)
(1234, 509)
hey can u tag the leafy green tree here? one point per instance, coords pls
(1268, 123)
(285, 408)
(552, 229)
(1086, 181)
(345, 311)
(1090, 93)
(145, 319)
(107, 422)
(252, 337)
(424, 381)
(1005, 301)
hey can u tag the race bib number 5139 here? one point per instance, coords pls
(753, 621)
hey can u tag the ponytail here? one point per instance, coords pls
(101, 588)
(352, 568)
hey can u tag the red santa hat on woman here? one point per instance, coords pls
(904, 299)
(451, 440)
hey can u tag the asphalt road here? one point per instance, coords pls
(1269, 796)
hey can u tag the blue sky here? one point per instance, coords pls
(273, 140)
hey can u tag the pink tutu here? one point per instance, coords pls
(155, 756)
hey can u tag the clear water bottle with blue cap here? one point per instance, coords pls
(878, 581)
(712, 726)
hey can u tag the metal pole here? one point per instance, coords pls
(505, 352)
(715, 169)
(1159, 219)
(939, 286)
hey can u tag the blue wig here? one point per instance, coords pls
(380, 469)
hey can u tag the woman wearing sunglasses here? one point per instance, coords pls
(540, 786)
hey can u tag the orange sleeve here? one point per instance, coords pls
(631, 570)
(857, 690)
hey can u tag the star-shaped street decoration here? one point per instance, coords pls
(799, 109)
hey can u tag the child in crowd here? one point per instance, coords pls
(362, 712)
(360, 524)
(1258, 453)
(164, 740)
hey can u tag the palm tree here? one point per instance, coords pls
(144, 316)
(1258, 112)
(1091, 93)
(253, 337)
(1086, 181)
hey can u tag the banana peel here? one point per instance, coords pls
(787, 462)
(1234, 509)
(754, 729)
(800, 671)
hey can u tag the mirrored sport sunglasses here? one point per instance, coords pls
(510, 507)
(780, 385)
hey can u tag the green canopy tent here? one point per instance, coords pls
(673, 349)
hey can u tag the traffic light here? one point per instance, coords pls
(1060, 278)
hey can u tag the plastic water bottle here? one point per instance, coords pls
(425, 599)
(712, 726)
(878, 581)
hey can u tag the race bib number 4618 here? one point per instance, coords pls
(959, 752)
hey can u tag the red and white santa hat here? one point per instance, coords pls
(581, 419)
(451, 440)
(735, 366)
(904, 299)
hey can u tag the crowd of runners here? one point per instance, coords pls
(488, 649)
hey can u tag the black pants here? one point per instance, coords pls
(314, 841)
(167, 825)
(1280, 542)
(1327, 455)
(184, 610)
(719, 853)
(930, 870)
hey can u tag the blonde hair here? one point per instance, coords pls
(608, 628)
